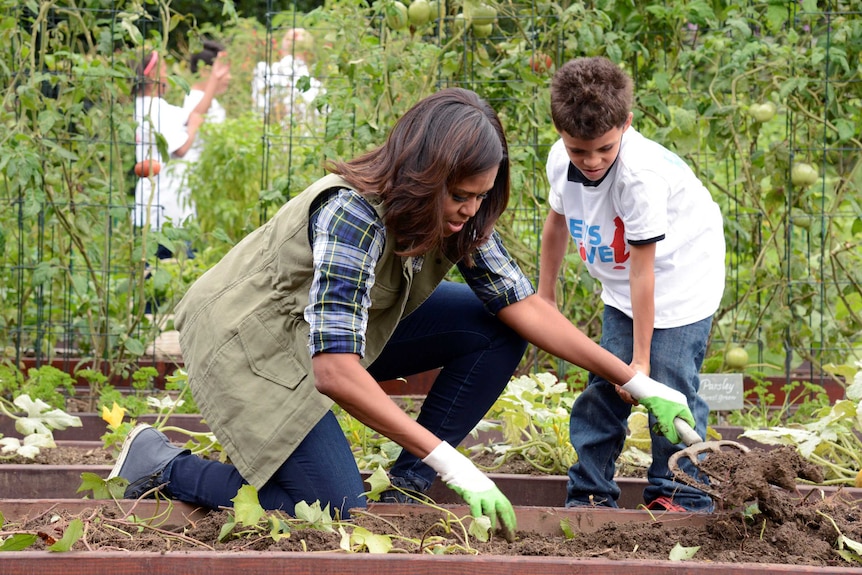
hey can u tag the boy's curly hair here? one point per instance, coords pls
(589, 97)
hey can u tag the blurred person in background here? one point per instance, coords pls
(159, 196)
(201, 65)
(284, 91)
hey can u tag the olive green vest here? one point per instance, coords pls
(245, 342)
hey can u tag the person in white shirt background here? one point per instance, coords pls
(284, 91)
(159, 197)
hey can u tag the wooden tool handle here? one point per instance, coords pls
(688, 435)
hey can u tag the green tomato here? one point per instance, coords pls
(801, 219)
(762, 112)
(419, 12)
(483, 14)
(482, 30)
(803, 174)
(396, 15)
(459, 22)
(736, 358)
(438, 8)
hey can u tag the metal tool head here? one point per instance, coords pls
(695, 453)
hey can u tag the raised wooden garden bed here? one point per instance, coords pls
(534, 523)
(416, 384)
(792, 526)
(274, 563)
(72, 364)
(93, 427)
(35, 481)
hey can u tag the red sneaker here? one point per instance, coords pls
(665, 504)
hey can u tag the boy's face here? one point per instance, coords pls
(594, 157)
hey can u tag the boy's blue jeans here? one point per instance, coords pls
(452, 330)
(598, 422)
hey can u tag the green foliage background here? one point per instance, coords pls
(74, 269)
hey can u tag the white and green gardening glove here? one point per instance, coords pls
(662, 401)
(484, 498)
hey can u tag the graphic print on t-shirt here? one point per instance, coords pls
(593, 246)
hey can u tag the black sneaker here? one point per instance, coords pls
(145, 454)
(412, 496)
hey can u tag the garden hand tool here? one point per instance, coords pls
(695, 449)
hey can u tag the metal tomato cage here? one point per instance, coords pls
(746, 97)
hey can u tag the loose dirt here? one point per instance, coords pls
(67, 456)
(762, 518)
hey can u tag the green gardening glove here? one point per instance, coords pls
(662, 401)
(476, 488)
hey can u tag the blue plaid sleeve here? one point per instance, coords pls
(496, 278)
(347, 239)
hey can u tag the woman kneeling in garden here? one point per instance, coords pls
(344, 287)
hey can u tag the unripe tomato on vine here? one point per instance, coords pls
(803, 174)
(396, 15)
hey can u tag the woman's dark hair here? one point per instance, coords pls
(206, 56)
(441, 141)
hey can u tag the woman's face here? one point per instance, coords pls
(464, 199)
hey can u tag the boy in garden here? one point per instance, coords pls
(648, 230)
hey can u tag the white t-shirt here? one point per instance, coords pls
(155, 115)
(288, 100)
(648, 193)
(179, 166)
(215, 115)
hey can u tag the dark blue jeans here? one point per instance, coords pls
(598, 422)
(451, 330)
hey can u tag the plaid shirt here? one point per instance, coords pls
(347, 239)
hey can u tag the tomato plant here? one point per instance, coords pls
(709, 80)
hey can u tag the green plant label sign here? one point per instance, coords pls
(722, 391)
